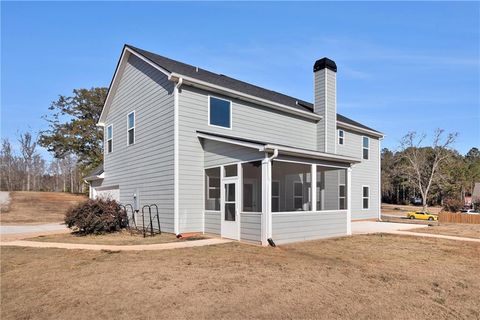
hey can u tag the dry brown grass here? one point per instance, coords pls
(117, 238)
(451, 229)
(397, 209)
(361, 277)
(38, 207)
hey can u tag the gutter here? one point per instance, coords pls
(361, 130)
(176, 207)
(268, 219)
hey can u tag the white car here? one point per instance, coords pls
(470, 211)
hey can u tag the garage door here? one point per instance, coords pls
(113, 194)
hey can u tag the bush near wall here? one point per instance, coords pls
(452, 205)
(96, 217)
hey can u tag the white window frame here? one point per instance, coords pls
(368, 197)
(344, 197)
(212, 188)
(277, 197)
(368, 148)
(107, 139)
(230, 111)
(295, 196)
(132, 128)
(342, 137)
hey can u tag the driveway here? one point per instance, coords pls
(366, 227)
(10, 232)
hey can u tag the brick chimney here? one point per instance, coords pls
(325, 77)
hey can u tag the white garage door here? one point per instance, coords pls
(113, 194)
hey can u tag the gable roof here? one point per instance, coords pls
(177, 67)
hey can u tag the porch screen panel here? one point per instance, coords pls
(212, 189)
(252, 186)
(292, 187)
(331, 188)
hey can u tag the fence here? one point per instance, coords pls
(458, 218)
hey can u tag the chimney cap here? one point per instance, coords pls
(324, 63)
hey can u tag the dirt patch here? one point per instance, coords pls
(38, 207)
(117, 238)
(361, 277)
(459, 230)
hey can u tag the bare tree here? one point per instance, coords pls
(7, 168)
(422, 162)
(27, 149)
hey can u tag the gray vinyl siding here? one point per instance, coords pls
(145, 168)
(248, 121)
(293, 227)
(218, 153)
(250, 227)
(329, 123)
(213, 222)
(364, 173)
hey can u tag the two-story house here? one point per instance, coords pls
(222, 156)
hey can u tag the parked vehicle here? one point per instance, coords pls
(470, 211)
(417, 201)
(422, 215)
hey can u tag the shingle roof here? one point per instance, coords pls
(95, 172)
(230, 83)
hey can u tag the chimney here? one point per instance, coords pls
(325, 77)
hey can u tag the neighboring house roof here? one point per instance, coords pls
(184, 69)
(476, 192)
(95, 174)
(283, 149)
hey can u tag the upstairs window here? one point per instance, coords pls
(109, 139)
(219, 113)
(341, 136)
(131, 128)
(366, 147)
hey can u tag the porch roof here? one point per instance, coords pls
(282, 149)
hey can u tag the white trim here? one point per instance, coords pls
(246, 97)
(230, 111)
(132, 128)
(366, 186)
(156, 66)
(379, 180)
(358, 129)
(326, 112)
(368, 148)
(176, 208)
(106, 141)
(313, 187)
(309, 163)
(231, 141)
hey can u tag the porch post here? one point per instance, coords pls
(349, 201)
(266, 189)
(314, 187)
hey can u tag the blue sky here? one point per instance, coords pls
(401, 66)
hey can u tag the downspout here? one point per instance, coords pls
(176, 208)
(268, 220)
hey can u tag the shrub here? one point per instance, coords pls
(96, 217)
(452, 205)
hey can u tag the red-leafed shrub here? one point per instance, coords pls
(96, 217)
(452, 205)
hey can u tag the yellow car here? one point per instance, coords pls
(422, 216)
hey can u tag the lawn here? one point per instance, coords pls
(453, 229)
(361, 277)
(118, 238)
(38, 207)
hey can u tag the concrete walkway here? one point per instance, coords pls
(368, 227)
(99, 247)
(18, 232)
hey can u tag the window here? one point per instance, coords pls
(292, 192)
(109, 138)
(231, 170)
(366, 197)
(341, 136)
(230, 205)
(275, 196)
(131, 128)
(366, 147)
(252, 186)
(342, 197)
(297, 195)
(212, 189)
(219, 112)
